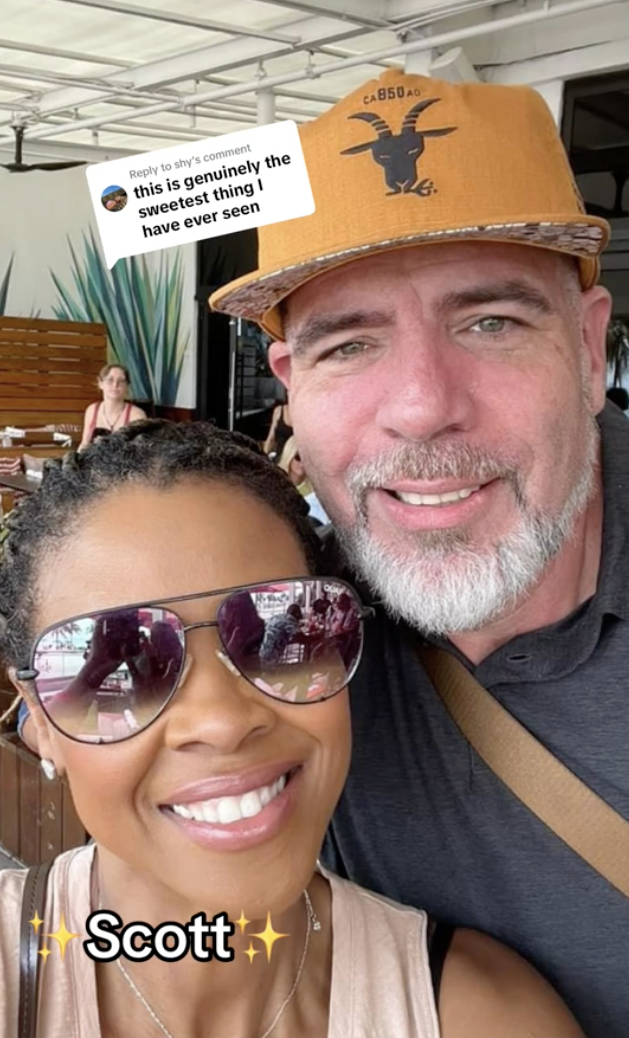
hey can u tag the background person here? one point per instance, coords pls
(290, 462)
(113, 412)
(209, 794)
(280, 430)
(442, 341)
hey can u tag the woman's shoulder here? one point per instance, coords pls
(67, 892)
(508, 995)
(136, 414)
(386, 921)
(65, 867)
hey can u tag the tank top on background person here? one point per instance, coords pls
(283, 433)
(101, 430)
(381, 983)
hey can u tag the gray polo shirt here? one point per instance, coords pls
(424, 821)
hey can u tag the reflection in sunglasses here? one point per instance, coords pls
(107, 676)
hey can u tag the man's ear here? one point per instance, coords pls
(279, 358)
(38, 736)
(596, 312)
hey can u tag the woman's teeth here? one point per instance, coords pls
(224, 810)
(435, 499)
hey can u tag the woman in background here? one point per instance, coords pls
(281, 429)
(293, 466)
(113, 411)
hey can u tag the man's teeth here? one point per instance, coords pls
(436, 499)
(224, 810)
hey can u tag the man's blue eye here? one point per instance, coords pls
(350, 349)
(493, 325)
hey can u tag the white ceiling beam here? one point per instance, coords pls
(207, 24)
(572, 33)
(200, 62)
(46, 76)
(69, 55)
(371, 13)
(409, 10)
(602, 57)
(454, 36)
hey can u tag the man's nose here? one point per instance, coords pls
(213, 705)
(427, 389)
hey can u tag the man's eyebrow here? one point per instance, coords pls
(498, 292)
(329, 324)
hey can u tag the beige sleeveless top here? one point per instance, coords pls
(381, 982)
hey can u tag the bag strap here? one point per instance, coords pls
(573, 811)
(33, 902)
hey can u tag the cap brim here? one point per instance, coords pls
(255, 296)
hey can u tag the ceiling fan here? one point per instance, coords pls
(17, 166)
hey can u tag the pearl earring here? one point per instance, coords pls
(48, 768)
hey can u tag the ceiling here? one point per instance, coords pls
(95, 79)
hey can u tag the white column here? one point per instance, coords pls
(419, 63)
(552, 92)
(266, 106)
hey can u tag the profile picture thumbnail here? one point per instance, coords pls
(114, 198)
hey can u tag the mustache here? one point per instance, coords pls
(432, 461)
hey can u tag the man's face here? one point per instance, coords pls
(443, 398)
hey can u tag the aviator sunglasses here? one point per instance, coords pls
(103, 677)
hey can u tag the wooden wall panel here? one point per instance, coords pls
(51, 820)
(9, 778)
(29, 808)
(48, 370)
(37, 817)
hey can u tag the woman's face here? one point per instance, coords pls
(114, 385)
(218, 732)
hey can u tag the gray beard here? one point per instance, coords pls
(439, 582)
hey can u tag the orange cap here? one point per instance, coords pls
(408, 160)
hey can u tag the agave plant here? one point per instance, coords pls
(4, 285)
(140, 305)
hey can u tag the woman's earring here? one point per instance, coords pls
(48, 768)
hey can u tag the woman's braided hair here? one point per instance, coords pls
(156, 453)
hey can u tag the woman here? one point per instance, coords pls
(291, 463)
(211, 790)
(112, 412)
(281, 429)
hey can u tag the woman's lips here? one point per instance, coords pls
(256, 816)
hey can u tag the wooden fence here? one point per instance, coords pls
(48, 370)
(37, 817)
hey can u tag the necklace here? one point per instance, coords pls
(107, 419)
(312, 923)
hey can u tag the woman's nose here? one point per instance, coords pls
(214, 705)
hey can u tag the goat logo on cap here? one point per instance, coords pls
(399, 154)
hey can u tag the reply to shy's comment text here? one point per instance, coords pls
(200, 190)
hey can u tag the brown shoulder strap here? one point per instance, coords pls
(33, 901)
(574, 812)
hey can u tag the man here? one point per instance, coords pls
(442, 337)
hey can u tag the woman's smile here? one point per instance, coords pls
(239, 820)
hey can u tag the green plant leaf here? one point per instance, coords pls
(4, 285)
(141, 309)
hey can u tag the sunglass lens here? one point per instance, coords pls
(105, 677)
(296, 640)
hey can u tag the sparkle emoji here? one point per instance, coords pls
(62, 936)
(243, 922)
(36, 922)
(269, 936)
(251, 952)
